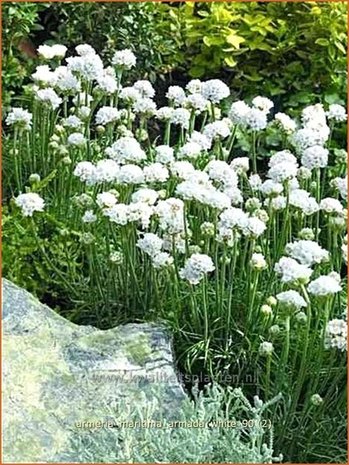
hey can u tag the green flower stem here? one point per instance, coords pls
(251, 305)
(31, 159)
(49, 262)
(213, 117)
(204, 119)
(185, 207)
(304, 360)
(16, 161)
(254, 152)
(192, 122)
(206, 321)
(65, 106)
(284, 356)
(318, 198)
(230, 144)
(223, 281)
(318, 358)
(231, 287)
(286, 226)
(167, 136)
(267, 382)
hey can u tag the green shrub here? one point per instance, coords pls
(290, 50)
(142, 27)
(18, 22)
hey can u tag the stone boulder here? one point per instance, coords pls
(59, 377)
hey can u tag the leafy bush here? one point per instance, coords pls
(141, 27)
(18, 22)
(249, 439)
(292, 51)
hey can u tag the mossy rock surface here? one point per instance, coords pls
(57, 374)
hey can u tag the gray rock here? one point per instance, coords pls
(57, 376)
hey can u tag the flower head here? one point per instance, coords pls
(20, 118)
(291, 299)
(325, 285)
(307, 252)
(292, 272)
(196, 267)
(30, 203)
(124, 59)
(215, 90)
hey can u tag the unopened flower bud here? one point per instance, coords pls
(142, 134)
(253, 204)
(194, 249)
(59, 129)
(316, 399)
(34, 178)
(100, 129)
(266, 310)
(274, 330)
(55, 138)
(262, 215)
(272, 301)
(116, 257)
(63, 232)
(301, 317)
(162, 194)
(258, 262)
(62, 150)
(66, 161)
(87, 238)
(207, 229)
(53, 145)
(266, 348)
(306, 234)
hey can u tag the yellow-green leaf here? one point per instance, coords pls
(234, 40)
(230, 61)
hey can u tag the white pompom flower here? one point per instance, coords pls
(196, 267)
(325, 286)
(29, 203)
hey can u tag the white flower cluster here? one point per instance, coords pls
(315, 131)
(124, 59)
(291, 299)
(255, 117)
(106, 115)
(20, 118)
(151, 244)
(193, 195)
(325, 285)
(307, 252)
(292, 272)
(48, 52)
(49, 97)
(283, 167)
(196, 267)
(336, 112)
(336, 334)
(126, 149)
(30, 203)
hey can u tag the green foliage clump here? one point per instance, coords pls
(18, 22)
(142, 27)
(291, 50)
